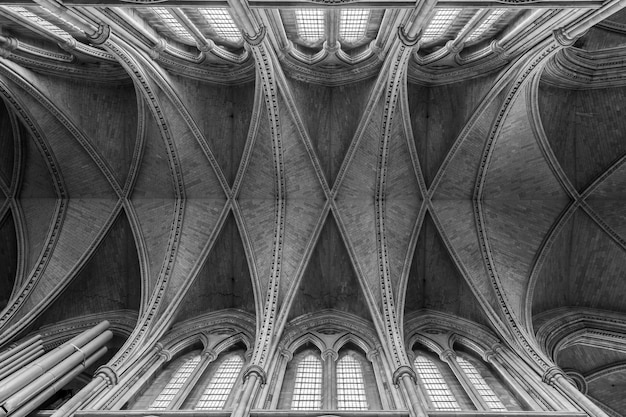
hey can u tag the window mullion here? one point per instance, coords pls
(329, 397)
(190, 382)
(449, 357)
(332, 28)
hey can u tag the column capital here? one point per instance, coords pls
(330, 353)
(108, 374)
(401, 371)
(255, 370)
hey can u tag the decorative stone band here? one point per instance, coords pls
(102, 34)
(401, 371)
(405, 39)
(257, 38)
(256, 370)
(108, 374)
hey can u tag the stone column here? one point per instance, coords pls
(555, 377)
(405, 376)
(329, 384)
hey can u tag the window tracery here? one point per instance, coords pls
(175, 384)
(492, 400)
(435, 385)
(217, 391)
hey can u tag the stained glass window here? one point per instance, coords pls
(222, 23)
(310, 23)
(353, 23)
(439, 24)
(218, 390)
(436, 387)
(492, 400)
(350, 385)
(175, 384)
(307, 391)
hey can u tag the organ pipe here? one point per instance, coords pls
(13, 384)
(53, 374)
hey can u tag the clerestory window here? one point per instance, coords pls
(435, 385)
(310, 24)
(353, 24)
(307, 391)
(218, 390)
(175, 384)
(350, 385)
(492, 400)
(339, 381)
(439, 24)
(194, 381)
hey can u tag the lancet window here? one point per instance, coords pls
(195, 381)
(455, 381)
(333, 381)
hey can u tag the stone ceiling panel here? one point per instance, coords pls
(458, 175)
(587, 359)
(329, 281)
(106, 113)
(7, 145)
(331, 116)
(518, 169)
(585, 129)
(224, 280)
(516, 230)
(609, 390)
(8, 257)
(223, 114)
(435, 283)
(583, 268)
(459, 226)
(438, 114)
(109, 281)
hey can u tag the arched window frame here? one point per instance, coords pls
(430, 331)
(213, 334)
(339, 331)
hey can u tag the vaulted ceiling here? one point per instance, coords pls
(177, 166)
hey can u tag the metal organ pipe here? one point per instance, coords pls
(56, 386)
(13, 384)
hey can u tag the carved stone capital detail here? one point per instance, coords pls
(401, 371)
(256, 370)
(108, 374)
